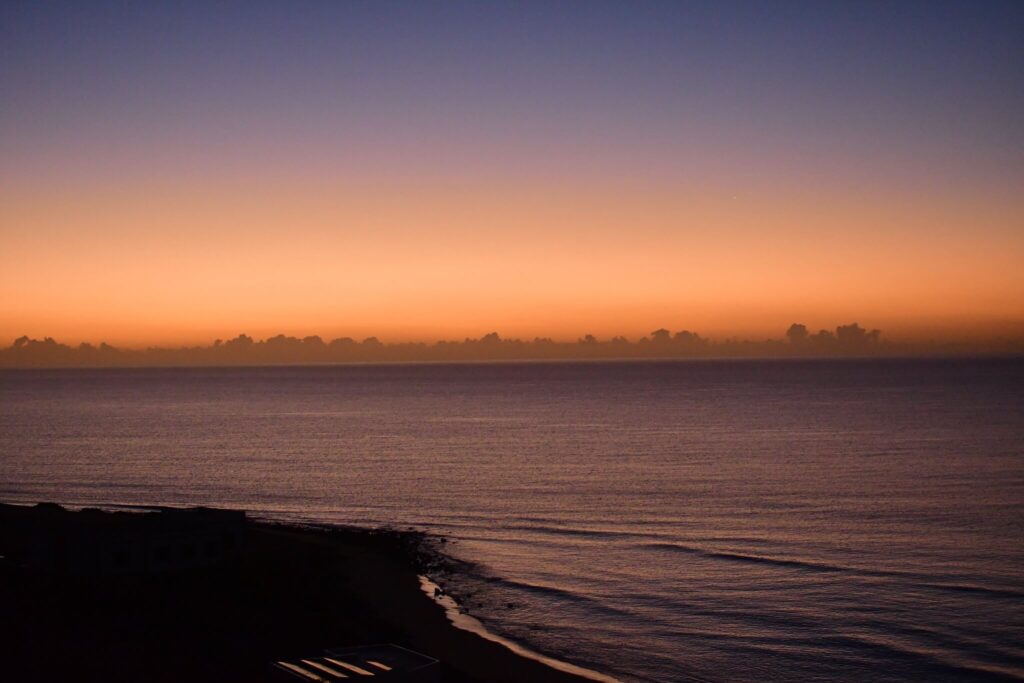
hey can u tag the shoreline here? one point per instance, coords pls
(293, 589)
(465, 621)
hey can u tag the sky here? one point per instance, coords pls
(175, 172)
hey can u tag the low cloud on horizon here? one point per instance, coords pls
(849, 340)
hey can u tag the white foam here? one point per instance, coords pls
(469, 623)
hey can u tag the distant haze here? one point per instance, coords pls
(845, 341)
(176, 172)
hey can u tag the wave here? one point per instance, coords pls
(468, 623)
(921, 580)
(583, 533)
(980, 590)
(924, 662)
(741, 557)
(555, 592)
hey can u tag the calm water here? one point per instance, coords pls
(723, 521)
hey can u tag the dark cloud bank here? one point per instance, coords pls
(845, 341)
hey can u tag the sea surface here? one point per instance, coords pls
(705, 520)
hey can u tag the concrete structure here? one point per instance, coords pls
(386, 663)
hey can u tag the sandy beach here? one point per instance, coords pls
(289, 591)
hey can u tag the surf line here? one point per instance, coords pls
(469, 623)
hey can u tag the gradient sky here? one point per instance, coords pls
(176, 172)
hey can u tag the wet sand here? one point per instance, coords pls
(289, 591)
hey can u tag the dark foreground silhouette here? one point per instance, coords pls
(96, 596)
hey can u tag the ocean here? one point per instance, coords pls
(654, 521)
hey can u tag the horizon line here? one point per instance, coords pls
(849, 341)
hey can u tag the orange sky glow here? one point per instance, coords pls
(144, 266)
(171, 177)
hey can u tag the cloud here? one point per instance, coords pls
(845, 340)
